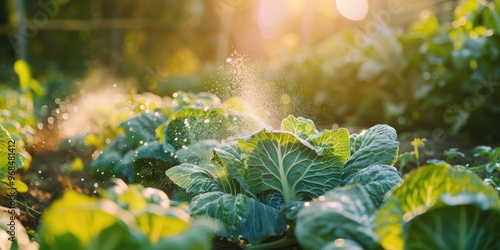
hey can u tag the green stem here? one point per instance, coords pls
(476, 168)
(28, 208)
(279, 244)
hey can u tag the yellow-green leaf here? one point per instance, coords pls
(23, 71)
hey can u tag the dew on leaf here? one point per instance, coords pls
(339, 243)
(344, 198)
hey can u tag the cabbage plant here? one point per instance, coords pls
(435, 207)
(151, 142)
(257, 184)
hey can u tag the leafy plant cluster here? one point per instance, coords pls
(184, 130)
(271, 189)
(17, 122)
(125, 217)
(256, 185)
(18, 112)
(320, 190)
(430, 209)
(486, 161)
(434, 75)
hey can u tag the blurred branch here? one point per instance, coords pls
(21, 44)
(117, 23)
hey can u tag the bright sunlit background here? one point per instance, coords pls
(318, 50)
(353, 9)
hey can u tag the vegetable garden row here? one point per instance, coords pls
(194, 168)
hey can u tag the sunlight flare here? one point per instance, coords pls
(353, 9)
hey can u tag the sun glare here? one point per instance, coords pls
(353, 9)
(271, 17)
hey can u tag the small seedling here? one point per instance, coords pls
(493, 156)
(452, 153)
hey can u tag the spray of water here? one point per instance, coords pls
(259, 96)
